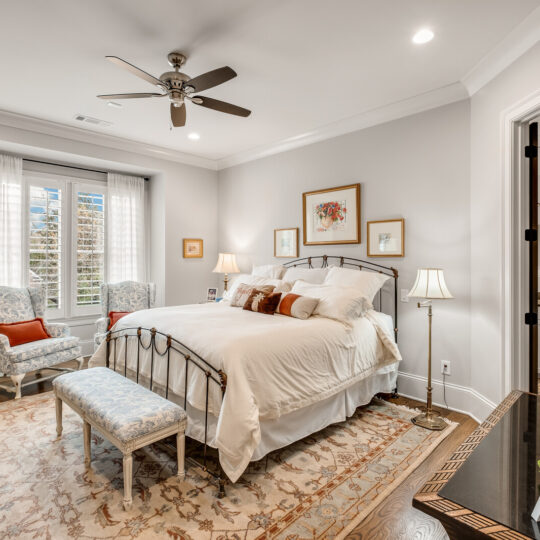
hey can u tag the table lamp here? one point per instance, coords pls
(226, 264)
(430, 285)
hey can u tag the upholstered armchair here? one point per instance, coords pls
(23, 304)
(123, 296)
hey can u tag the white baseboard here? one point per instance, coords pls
(87, 346)
(459, 398)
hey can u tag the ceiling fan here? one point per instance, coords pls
(179, 87)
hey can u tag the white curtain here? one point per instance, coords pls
(11, 222)
(126, 252)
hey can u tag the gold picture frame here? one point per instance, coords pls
(286, 243)
(386, 238)
(332, 216)
(193, 248)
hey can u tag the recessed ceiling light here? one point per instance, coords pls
(114, 104)
(423, 36)
(194, 136)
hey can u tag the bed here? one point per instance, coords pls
(252, 383)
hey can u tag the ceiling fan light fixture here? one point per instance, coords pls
(194, 136)
(424, 35)
(114, 104)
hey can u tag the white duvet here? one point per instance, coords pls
(274, 364)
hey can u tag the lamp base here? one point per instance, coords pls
(428, 420)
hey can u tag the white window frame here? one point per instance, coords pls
(94, 187)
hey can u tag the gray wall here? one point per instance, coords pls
(416, 168)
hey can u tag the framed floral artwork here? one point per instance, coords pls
(286, 243)
(332, 216)
(386, 238)
(193, 248)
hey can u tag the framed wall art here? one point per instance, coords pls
(193, 248)
(286, 243)
(332, 216)
(386, 238)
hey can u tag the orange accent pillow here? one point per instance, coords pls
(115, 316)
(24, 331)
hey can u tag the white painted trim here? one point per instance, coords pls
(87, 347)
(393, 111)
(524, 36)
(459, 398)
(47, 127)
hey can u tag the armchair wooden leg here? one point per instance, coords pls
(58, 416)
(80, 362)
(87, 433)
(128, 476)
(17, 382)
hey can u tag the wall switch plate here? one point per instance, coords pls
(404, 297)
(445, 367)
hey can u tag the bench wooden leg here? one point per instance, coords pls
(87, 431)
(180, 453)
(58, 416)
(128, 475)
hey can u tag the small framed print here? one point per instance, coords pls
(286, 243)
(193, 248)
(332, 216)
(211, 294)
(386, 238)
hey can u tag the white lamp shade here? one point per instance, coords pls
(226, 264)
(430, 284)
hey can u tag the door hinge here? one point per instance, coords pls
(531, 318)
(531, 235)
(531, 151)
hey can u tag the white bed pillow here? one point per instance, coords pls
(256, 281)
(335, 302)
(309, 275)
(365, 282)
(272, 271)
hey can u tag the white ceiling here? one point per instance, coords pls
(301, 64)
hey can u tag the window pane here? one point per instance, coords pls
(90, 247)
(45, 243)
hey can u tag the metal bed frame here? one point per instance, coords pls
(146, 340)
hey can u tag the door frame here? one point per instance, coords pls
(514, 275)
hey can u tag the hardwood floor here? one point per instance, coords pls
(394, 518)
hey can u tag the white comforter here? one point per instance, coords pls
(274, 364)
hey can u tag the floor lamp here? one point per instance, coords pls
(430, 285)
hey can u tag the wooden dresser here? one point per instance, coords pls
(489, 486)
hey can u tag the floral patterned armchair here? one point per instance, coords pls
(123, 296)
(23, 304)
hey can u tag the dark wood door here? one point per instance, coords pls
(531, 236)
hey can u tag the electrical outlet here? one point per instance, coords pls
(445, 367)
(404, 297)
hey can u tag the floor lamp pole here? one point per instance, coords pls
(429, 419)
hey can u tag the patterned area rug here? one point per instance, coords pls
(320, 487)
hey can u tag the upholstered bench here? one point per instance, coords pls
(125, 413)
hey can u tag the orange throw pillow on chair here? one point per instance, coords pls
(115, 316)
(24, 331)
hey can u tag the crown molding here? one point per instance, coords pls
(523, 37)
(393, 111)
(46, 127)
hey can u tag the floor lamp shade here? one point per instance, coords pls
(430, 284)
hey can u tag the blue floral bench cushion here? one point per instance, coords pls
(41, 347)
(120, 406)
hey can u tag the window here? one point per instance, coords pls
(69, 261)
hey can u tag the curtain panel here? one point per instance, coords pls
(126, 250)
(11, 221)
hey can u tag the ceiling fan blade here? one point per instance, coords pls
(178, 115)
(221, 106)
(211, 79)
(130, 96)
(136, 71)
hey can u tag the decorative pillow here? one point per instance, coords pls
(294, 305)
(309, 275)
(256, 281)
(115, 316)
(340, 303)
(243, 292)
(24, 331)
(272, 271)
(365, 282)
(262, 302)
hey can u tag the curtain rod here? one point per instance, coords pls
(69, 166)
